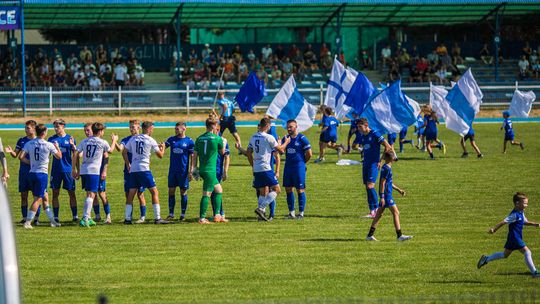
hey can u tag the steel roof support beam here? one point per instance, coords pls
(178, 29)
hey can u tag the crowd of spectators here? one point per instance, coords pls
(529, 63)
(200, 69)
(86, 70)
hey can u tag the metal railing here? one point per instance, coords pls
(52, 100)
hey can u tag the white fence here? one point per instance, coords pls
(117, 100)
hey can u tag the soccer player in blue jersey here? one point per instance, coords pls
(470, 137)
(329, 135)
(39, 151)
(430, 131)
(297, 153)
(179, 169)
(419, 130)
(509, 132)
(352, 131)
(227, 120)
(61, 169)
(24, 169)
(403, 139)
(386, 186)
(134, 128)
(371, 142)
(514, 241)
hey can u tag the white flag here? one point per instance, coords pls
(521, 103)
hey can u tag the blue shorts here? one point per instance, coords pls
(228, 123)
(388, 202)
(62, 178)
(431, 136)
(141, 179)
(420, 131)
(90, 182)
(24, 182)
(325, 138)
(179, 179)
(370, 173)
(469, 137)
(127, 186)
(102, 187)
(509, 136)
(294, 177)
(514, 244)
(392, 138)
(402, 134)
(38, 183)
(264, 179)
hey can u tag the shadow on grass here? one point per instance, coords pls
(331, 240)
(513, 273)
(457, 282)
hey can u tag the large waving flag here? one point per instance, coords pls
(390, 110)
(251, 93)
(439, 104)
(465, 97)
(340, 83)
(290, 104)
(521, 103)
(360, 93)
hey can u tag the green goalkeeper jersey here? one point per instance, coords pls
(207, 147)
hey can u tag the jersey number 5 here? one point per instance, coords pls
(257, 146)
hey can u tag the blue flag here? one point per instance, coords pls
(251, 93)
(465, 97)
(360, 92)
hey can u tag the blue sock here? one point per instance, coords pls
(290, 201)
(400, 147)
(107, 208)
(38, 212)
(372, 199)
(24, 211)
(143, 210)
(172, 203)
(56, 211)
(74, 211)
(407, 141)
(301, 201)
(183, 203)
(272, 208)
(96, 210)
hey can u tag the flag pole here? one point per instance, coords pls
(217, 91)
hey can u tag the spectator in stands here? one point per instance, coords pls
(456, 54)
(323, 51)
(266, 53)
(403, 60)
(386, 55)
(15, 79)
(441, 50)
(60, 80)
(393, 73)
(107, 77)
(114, 54)
(79, 79)
(204, 85)
(250, 57)
(293, 50)
(276, 77)
(485, 55)
(94, 82)
(71, 60)
(446, 60)
(415, 55)
(213, 66)
(131, 54)
(365, 60)
(200, 72)
(237, 53)
(526, 50)
(326, 62)
(206, 51)
(536, 68)
(89, 67)
(220, 54)
(341, 58)
(85, 54)
(433, 58)
(228, 73)
(101, 55)
(286, 67)
(120, 74)
(45, 73)
(523, 65)
(298, 59)
(103, 67)
(441, 74)
(533, 57)
(193, 57)
(190, 83)
(56, 53)
(138, 76)
(243, 72)
(59, 65)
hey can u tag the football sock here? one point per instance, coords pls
(431, 155)
(269, 198)
(217, 203)
(107, 208)
(204, 205)
(183, 203)
(372, 199)
(301, 202)
(495, 256)
(290, 201)
(407, 141)
(30, 216)
(87, 207)
(143, 210)
(74, 211)
(400, 147)
(172, 203)
(56, 211)
(272, 208)
(398, 233)
(49, 214)
(24, 211)
(157, 211)
(371, 231)
(213, 201)
(38, 212)
(128, 211)
(529, 261)
(96, 209)
(261, 202)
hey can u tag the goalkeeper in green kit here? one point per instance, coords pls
(207, 147)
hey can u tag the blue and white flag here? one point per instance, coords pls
(521, 103)
(290, 104)
(465, 97)
(339, 85)
(360, 93)
(251, 93)
(390, 110)
(441, 106)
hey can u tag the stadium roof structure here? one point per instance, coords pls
(269, 14)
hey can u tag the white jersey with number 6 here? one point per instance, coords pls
(92, 149)
(39, 151)
(263, 145)
(141, 147)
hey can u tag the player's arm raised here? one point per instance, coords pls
(496, 227)
(114, 142)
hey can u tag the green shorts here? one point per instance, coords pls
(209, 181)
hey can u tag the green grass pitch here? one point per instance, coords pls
(450, 204)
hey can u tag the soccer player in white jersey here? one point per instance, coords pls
(141, 147)
(39, 151)
(91, 151)
(259, 153)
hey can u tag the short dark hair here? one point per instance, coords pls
(363, 121)
(88, 124)
(134, 122)
(31, 122)
(328, 111)
(40, 129)
(59, 121)
(210, 122)
(96, 127)
(180, 123)
(264, 122)
(146, 125)
(518, 197)
(291, 120)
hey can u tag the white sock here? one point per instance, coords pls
(157, 211)
(50, 214)
(292, 213)
(129, 210)
(529, 261)
(495, 256)
(270, 197)
(30, 216)
(301, 213)
(88, 202)
(261, 202)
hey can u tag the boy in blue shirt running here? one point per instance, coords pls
(329, 135)
(509, 132)
(515, 220)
